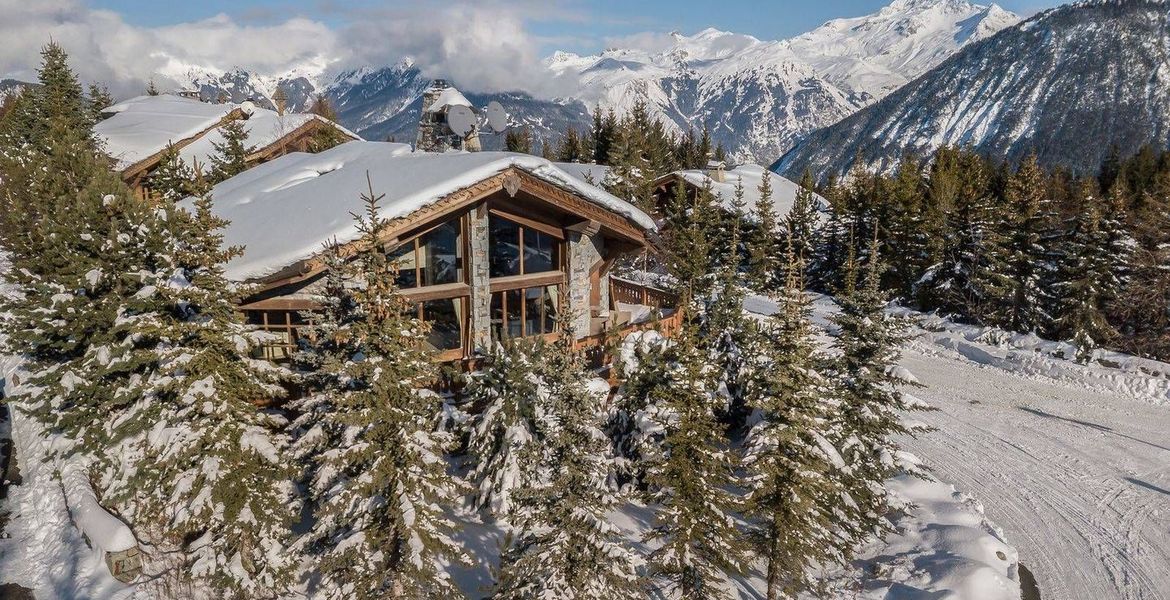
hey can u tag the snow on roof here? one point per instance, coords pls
(448, 97)
(783, 190)
(142, 126)
(285, 210)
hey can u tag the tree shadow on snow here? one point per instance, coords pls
(1101, 428)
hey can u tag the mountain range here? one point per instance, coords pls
(1069, 84)
(759, 98)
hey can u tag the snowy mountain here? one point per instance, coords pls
(759, 98)
(1067, 84)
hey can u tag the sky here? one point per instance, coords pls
(578, 26)
(487, 45)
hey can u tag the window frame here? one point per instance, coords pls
(503, 293)
(523, 223)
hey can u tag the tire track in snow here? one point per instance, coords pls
(1050, 462)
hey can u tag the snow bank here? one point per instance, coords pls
(44, 550)
(1031, 356)
(945, 547)
(286, 210)
(101, 528)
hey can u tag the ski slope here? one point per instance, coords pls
(1078, 479)
(1071, 461)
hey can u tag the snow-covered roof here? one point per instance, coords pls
(783, 190)
(285, 210)
(449, 97)
(140, 127)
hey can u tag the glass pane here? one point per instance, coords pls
(403, 258)
(551, 298)
(504, 247)
(514, 302)
(446, 324)
(540, 252)
(497, 320)
(532, 303)
(441, 255)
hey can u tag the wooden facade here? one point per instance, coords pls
(499, 258)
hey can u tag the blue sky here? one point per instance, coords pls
(560, 24)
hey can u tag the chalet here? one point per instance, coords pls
(487, 244)
(136, 132)
(723, 181)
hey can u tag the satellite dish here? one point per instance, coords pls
(461, 120)
(497, 118)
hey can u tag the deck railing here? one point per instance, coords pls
(632, 292)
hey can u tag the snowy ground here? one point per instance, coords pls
(1072, 461)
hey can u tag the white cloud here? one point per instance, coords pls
(103, 47)
(480, 46)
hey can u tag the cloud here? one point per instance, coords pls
(481, 46)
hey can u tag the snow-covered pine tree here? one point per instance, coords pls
(380, 526)
(174, 179)
(763, 243)
(869, 414)
(1030, 240)
(99, 100)
(1086, 277)
(518, 139)
(151, 89)
(505, 437)
(970, 276)
(645, 384)
(793, 489)
(231, 155)
(565, 545)
(905, 237)
(631, 174)
(201, 471)
(698, 545)
(326, 136)
(724, 330)
(801, 224)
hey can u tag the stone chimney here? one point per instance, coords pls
(434, 133)
(717, 171)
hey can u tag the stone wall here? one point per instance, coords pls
(481, 290)
(584, 252)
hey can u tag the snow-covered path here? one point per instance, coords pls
(1078, 479)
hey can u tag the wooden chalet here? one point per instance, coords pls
(487, 245)
(722, 182)
(136, 133)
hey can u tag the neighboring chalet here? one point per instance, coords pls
(723, 181)
(484, 242)
(135, 133)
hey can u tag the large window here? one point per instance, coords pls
(519, 249)
(524, 311)
(431, 271)
(433, 258)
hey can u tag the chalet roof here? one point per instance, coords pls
(141, 127)
(783, 190)
(285, 210)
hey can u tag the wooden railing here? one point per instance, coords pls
(632, 292)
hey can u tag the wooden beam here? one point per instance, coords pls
(587, 227)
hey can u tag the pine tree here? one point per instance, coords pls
(151, 89)
(503, 437)
(698, 546)
(763, 242)
(870, 405)
(565, 545)
(800, 224)
(327, 135)
(174, 179)
(99, 100)
(381, 491)
(209, 488)
(791, 469)
(631, 175)
(231, 155)
(518, 139)
(1087, 277)
(1029, 251)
